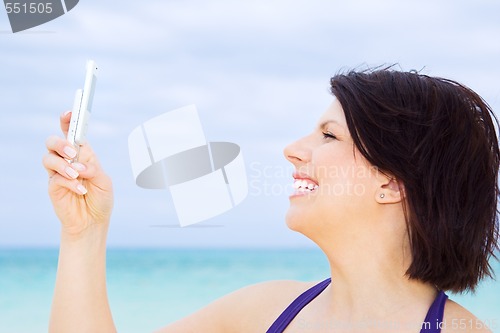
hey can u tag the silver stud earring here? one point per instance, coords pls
(382, 196)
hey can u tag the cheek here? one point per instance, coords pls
(347, 167)
(346, 186)
(345, 191)
(341, 176)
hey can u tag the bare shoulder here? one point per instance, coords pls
(249, 309)
(258, 305)
(459, 319)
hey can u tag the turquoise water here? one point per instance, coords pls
(149, 288)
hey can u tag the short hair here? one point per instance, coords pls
(437, 137)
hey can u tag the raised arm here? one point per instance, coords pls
(82, 197)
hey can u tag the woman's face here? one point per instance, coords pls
(334, 184)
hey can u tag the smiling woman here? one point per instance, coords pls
(397, 185)
(437, 138)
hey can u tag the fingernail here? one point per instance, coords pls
(66, 113)
(81, 189)
(71, 172)
(78, 166)
(70, 152)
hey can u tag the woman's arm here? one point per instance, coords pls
(82, 196)
(80, 302)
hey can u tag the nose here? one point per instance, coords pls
(298, 152)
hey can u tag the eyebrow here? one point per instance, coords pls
(326, 122)
(342, 132)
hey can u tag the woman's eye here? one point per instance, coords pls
(328, 135)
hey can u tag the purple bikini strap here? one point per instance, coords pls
(294, 308)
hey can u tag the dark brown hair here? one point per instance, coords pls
(437, 137)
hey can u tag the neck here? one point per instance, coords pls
(374, 289)
(369, 280)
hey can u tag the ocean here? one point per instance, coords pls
(148, 288)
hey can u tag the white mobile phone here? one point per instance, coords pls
(82, 106)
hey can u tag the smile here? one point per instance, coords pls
(304, 185)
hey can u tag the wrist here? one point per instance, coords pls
(92, 234)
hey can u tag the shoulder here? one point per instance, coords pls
(249, 309)
(459, 319)
(258, 305)
(279, 289)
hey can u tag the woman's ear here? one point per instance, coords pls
(390, 192)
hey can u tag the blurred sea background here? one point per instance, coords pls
(149, 288)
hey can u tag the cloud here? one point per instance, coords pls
(258, 72)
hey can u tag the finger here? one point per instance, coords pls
(60, 146)
(85, 170)
(90, 169)
(85, 153)
(54, 163)
(64, 122)
(58, 181)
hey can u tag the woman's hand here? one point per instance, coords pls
(81, 192)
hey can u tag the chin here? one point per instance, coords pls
(294, 221)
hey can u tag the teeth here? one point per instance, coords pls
(304, 185)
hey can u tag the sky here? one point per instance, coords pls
(258, 72)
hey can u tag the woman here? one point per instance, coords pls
(397, 185)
